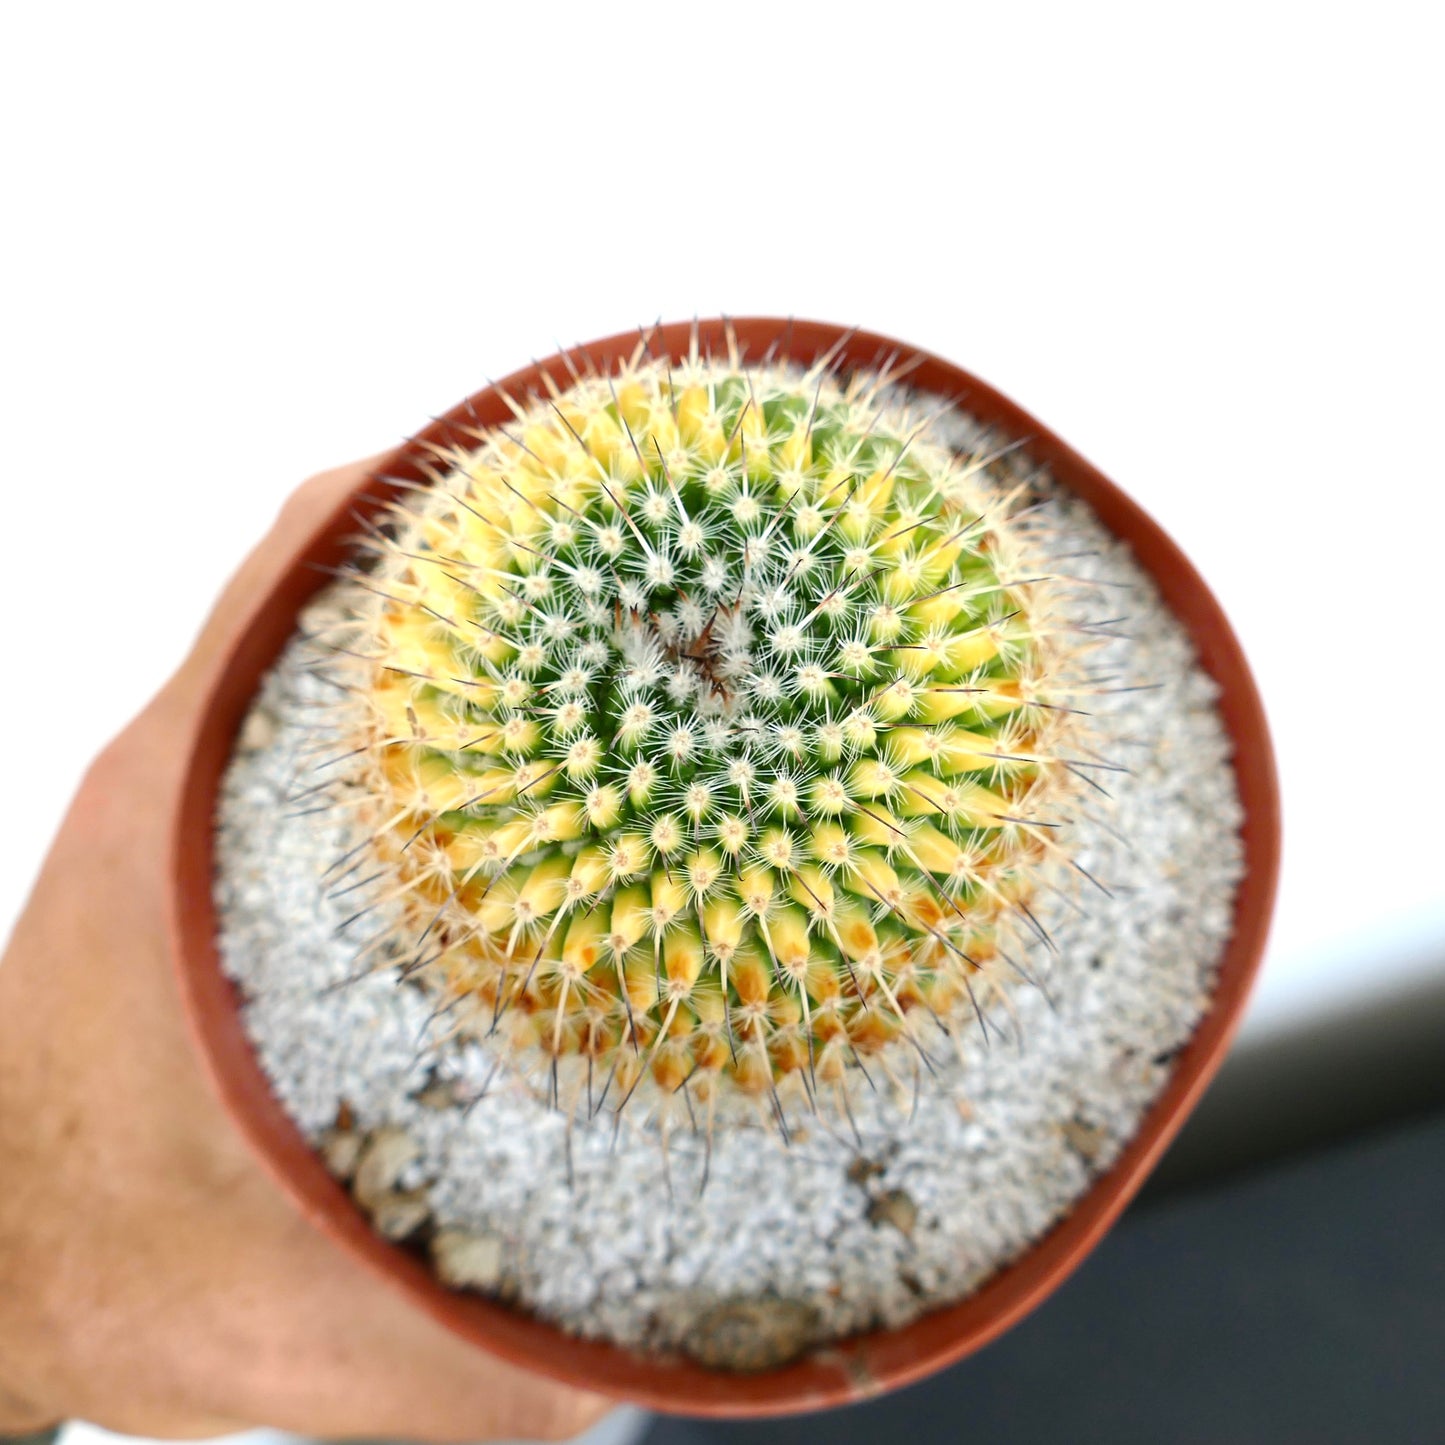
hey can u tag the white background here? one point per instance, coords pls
(243, 243)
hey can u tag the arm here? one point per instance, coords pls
(152, 1279)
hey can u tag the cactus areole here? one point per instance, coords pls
(712, 726)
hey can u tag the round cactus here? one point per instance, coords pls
(711, 729)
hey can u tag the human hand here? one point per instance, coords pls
(152, 1277)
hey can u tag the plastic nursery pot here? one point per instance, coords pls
(863, 1365)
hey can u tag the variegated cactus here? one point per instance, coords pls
(712, 728)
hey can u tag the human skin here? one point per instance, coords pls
(153, 1279)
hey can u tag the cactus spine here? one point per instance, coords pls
(713, 731)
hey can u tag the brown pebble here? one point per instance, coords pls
(257, 732)
(438, 1096)
(897, 1208)
(340, 1149)
(396, 1215)
(748, 1335)
(861, 1170)
(1086, 1139)
(387, 1153)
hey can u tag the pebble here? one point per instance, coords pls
(341, 1149)
(385, 1155)
(469, 1261)
(399, 1214)
(897, 1208)
(747, 1335)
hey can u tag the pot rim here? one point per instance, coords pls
(864, 1365)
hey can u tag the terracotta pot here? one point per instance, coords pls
(866, 1364)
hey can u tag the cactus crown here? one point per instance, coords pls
(711, 730)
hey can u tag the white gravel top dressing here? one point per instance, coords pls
(606, 1230)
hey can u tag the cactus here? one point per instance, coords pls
(710, 729)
